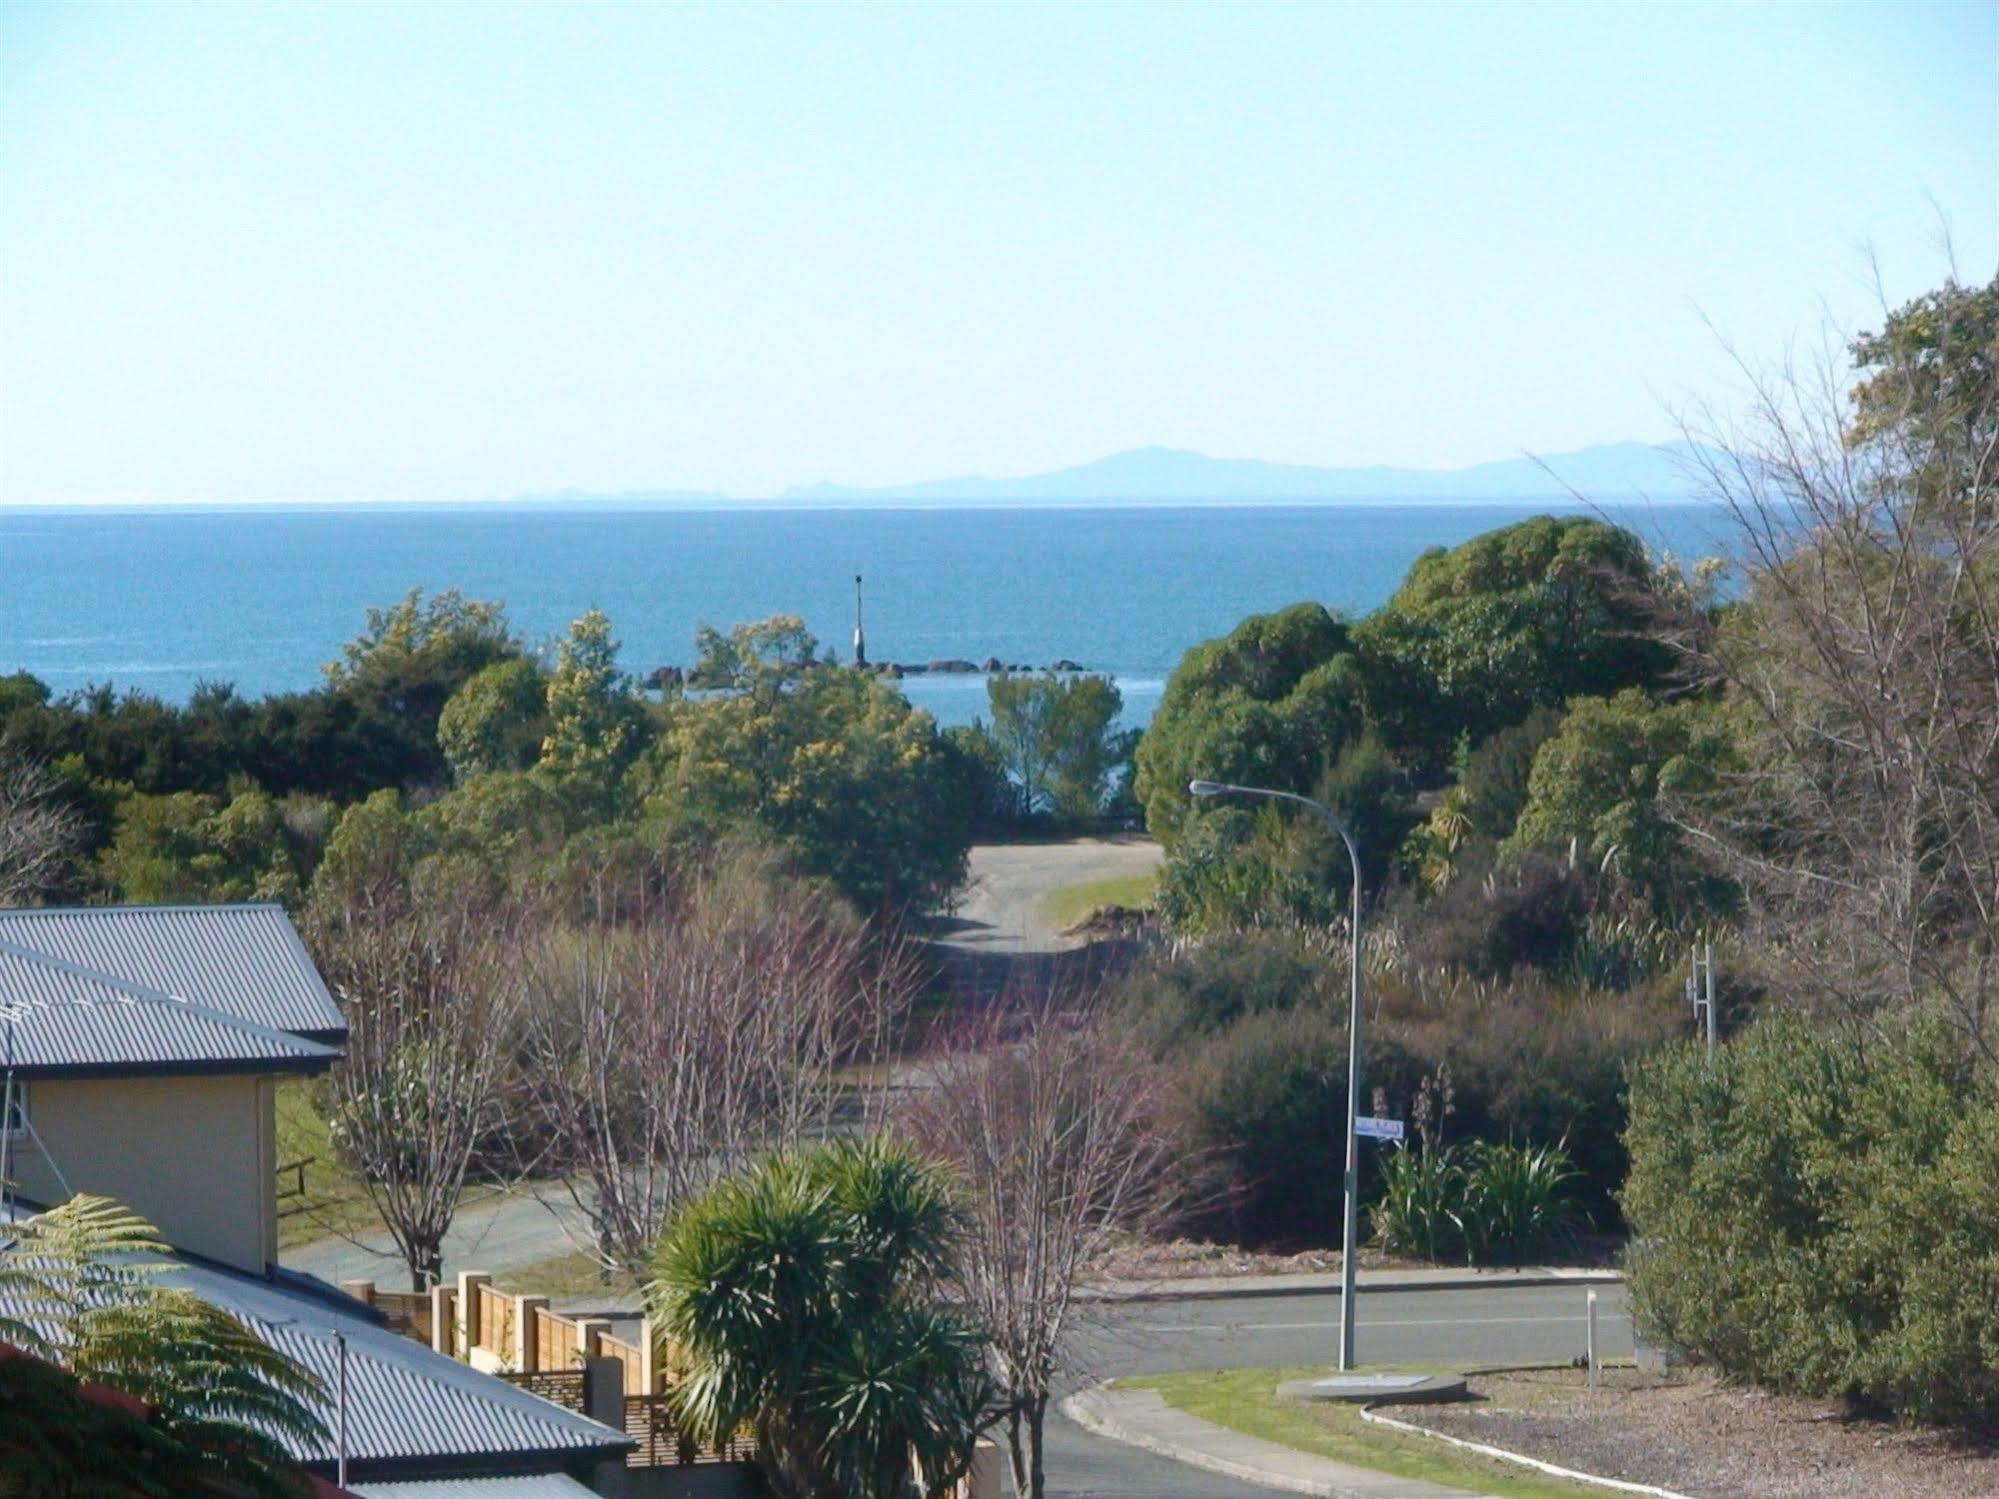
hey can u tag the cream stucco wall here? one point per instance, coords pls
(196, 1155)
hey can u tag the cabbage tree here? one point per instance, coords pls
(803, 1298)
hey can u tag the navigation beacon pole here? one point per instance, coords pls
(860, 637)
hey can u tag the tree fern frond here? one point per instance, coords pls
(82, 1282)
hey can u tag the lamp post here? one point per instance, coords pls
(1352, 1184)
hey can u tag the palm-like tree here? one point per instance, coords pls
(81, 1284)
(802, 1295)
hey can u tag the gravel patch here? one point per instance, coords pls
(1690, 1433)
(1173, 1259)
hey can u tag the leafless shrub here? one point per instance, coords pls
(1863, 663)
(665, 1048)
(1052, 1118)
(40, 836)
(430, 1011)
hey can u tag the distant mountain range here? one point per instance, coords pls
(638, 499)
(1606, 471)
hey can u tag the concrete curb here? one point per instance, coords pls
(1138, 1293)
(1322, 1285)
(1090, 1410)
(1503, 1454)
(1087, 1409)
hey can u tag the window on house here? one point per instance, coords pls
(14, 1120)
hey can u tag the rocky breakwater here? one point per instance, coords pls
(957, 666)
(674, 678)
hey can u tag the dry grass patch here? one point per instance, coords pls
(1692, 1434)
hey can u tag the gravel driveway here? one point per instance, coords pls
(1000, 911)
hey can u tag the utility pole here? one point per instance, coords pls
(340, 1411)
(1700, 993)
(860, 635)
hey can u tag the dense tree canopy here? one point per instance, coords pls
(595, 724)
(1273, 703)
(416, 653)
(832, 763)
(1527, 616)
(440, 752)
(496, 721)
(1054, 738)
(1479, 639)
(187, 846)
(1596, 788)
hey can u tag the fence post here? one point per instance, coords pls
(604, 1391)
(470, 1283)
(590, 1332)
(604, 1400)
(528, 1312)
(443, 1319)
(362, 1291)
(1590, 1305)
(648, 1358)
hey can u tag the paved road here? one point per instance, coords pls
(494, 1231)
(1446, 1327)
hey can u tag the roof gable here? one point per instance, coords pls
(243, 961)
(61, 1018)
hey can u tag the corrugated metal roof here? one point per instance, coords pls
(539, 1486)
(244, 960)
(56, 1015)
(404, 1401)
(427, 1406)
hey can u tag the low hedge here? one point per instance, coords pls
(1817, 1211)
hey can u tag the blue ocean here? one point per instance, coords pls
(160, 600)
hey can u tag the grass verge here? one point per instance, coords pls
(1246, 1400)
(1064, 907)
(570, 1277)
(335, 1202)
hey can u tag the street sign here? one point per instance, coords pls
(1378, 1129)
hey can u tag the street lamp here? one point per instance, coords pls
(1352, 1187)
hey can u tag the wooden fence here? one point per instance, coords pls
(662, 1444)
(522, 1341)
(563, 1387)
(406, 1312)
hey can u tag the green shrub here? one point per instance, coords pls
(1265, 1105)
(1244, 1018)
(1517, 1202)
(1265, 1113)
(1818, 1211)
(1419, 1214)
(1529, 1062)
(1489, 921)
(1215, 983)
(1478, 1202)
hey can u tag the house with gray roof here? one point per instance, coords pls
(145, 1045)
(140, 1050)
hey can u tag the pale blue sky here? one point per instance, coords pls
(352, 251)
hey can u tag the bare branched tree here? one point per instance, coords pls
(677, 1043)
(1863, 662)
(40, 834)
(1051, 1116)
(429, 1004)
